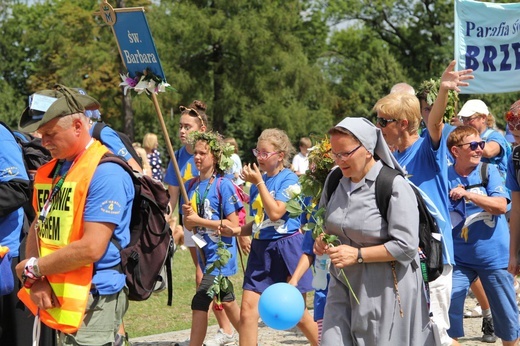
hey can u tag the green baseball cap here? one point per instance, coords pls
(48, 104)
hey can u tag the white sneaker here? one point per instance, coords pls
(476, 312)
(222, 339)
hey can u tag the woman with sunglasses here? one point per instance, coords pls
(277, 243)
(480, 235)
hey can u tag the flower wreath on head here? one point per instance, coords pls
(221, 150)
(146, 81)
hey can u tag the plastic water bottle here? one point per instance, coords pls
(321, 269)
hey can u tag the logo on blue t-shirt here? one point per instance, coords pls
(111, 207)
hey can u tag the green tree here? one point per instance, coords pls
(244, 60)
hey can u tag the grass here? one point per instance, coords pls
(153, 316)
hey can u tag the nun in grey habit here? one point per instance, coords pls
(379, 259)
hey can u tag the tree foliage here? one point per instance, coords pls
(297, 65)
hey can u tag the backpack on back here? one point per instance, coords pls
(430, 246)
(151, 243)
(96, 133)
(515, 157)
(34, 155)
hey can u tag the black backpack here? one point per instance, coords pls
(96, 133)
(515, 156)
(151, 242)
(430, 247)
(34, 155)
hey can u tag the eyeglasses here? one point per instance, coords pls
(474, 145)
(344, 155)
(264, 155)
(469, 119)
(192, 112)
(383, 122)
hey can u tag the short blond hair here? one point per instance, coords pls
(401, 106)
(149, 141)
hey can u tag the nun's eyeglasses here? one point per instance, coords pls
(344, 155)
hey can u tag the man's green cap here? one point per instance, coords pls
(48, 104)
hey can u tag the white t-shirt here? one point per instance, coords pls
(300, 163)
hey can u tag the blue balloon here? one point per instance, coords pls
(281, 306)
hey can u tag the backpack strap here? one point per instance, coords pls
(333, 182)
(516, 160)
(484, 177)
(384, 182)
(96, 130)
(239, 249)
(96, 133)
(486, 133)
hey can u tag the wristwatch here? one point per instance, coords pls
(359, 257)
(36, 269)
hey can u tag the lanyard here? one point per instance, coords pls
(47, 206)
(200, 201)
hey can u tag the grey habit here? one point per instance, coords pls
(354, 217)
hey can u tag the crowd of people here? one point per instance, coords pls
(68, 271)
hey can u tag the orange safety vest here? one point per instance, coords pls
(63, 225)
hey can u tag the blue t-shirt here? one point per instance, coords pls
(111, 140)
(490, 135)
(512, 179)
(263, 227)
(428, 169)
(213, 201)
(186, 165)
(11, 167)
(446, 130)
(486, 239)
(109, 199)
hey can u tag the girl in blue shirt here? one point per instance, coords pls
(212, 203)
(277, 241)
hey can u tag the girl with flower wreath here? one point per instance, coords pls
(212, 203)
(277, 241)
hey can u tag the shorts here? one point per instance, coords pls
(499, 287)
(272, 261)
(103, 317)
(188, 240)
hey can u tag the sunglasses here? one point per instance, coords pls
(192, 112)
(344, 155)
(383, 122)
(264, 155)
(474, 145)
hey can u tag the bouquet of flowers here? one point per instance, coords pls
(305, 196)
(146, 81)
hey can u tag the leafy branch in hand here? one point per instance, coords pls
(221, 284)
